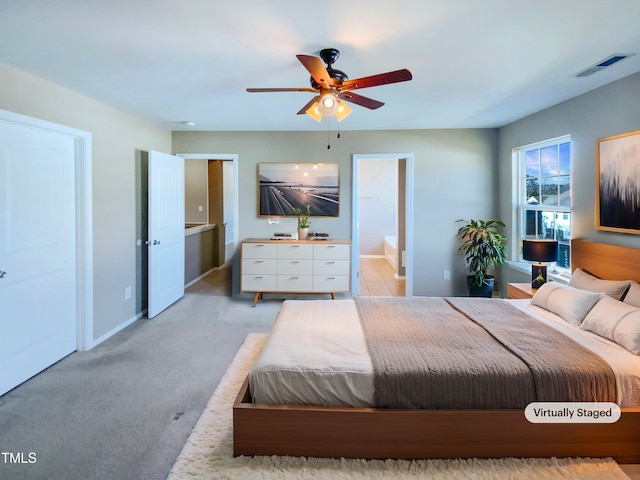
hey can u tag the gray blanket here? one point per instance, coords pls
(474, 353)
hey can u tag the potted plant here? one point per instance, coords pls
(484, 247)
(303, 222)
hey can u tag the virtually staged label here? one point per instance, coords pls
(572, 412)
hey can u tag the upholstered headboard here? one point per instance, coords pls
(610, 262)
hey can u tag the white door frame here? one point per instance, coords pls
(84, 219)
(355, 215)
(233, 157)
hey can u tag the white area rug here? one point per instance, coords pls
(208, 453)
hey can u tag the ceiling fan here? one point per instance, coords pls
(333, 86)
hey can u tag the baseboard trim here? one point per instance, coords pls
(112, 332)
(208, 272)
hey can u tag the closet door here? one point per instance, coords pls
(37, 251)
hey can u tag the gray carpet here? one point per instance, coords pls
(124, 409)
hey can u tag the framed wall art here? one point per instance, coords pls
(282, 187)
(618, 183)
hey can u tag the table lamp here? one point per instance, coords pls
(539, 251)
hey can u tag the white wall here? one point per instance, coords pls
(606, 111)
(455, 175)
(117, 138)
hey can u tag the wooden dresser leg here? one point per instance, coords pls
(333, 296)
(255, 298)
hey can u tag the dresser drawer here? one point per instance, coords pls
(259, 283)
(331, 267)
(295, 267)
(295, 283)
(331, 283)
(259, 265)
(297, 251)
(259, 250)
(331, 251)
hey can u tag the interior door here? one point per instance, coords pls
(166, 231)
(37, 251)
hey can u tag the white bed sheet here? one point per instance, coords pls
(303, 364)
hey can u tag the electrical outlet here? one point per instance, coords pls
(127, 293)
(200, 208)
(446, 275)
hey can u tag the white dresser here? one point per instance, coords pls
(295, 266)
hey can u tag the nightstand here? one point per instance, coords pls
(520, 290)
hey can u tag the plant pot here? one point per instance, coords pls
(484, 290)
(303, 233)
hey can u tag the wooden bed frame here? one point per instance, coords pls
(412, 434)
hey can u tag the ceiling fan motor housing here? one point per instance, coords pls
(333, 73)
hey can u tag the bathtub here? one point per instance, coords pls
(390, 250)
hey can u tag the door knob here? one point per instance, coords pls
(156, 242)
(3, 274)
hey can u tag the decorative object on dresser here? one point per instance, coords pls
(484, 247)
(303, 222)
(303, 266)
(539, 251)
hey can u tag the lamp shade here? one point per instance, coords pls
(328, 103)
(540, 250)
(313, 112)
(343, 111)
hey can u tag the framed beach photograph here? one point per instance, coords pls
(283, 187)
(618, 183)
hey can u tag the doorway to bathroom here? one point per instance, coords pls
(382, 202)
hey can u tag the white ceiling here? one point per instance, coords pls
(474, 63)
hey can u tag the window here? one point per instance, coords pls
(543, 193)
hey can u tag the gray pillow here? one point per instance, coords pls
(633, 295)
(585, 281)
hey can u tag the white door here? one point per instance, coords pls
(166, 231)
(37, 251)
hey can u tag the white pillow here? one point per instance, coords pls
(585, 281)
(616, 321)
(572, 304)
(632, 296)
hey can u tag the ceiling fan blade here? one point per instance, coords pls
(281, 90)
(375, 80)
(369, 103)
(317, 70)
(304, 109)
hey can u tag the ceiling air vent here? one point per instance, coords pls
(607, 62)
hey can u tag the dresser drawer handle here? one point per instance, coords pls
(258, 278)
(295, 261)
(294, 278)
(331, 262)
(259, 261)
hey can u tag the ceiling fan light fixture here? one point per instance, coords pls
(314, 112)
(343, 111)
(328, 103)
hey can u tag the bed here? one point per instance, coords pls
(353, 428)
